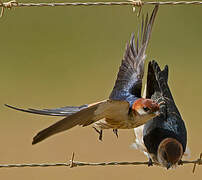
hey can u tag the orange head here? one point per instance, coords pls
(170, 152)
(145, 106)
(145, 109)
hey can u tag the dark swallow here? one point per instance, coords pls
(164, 138)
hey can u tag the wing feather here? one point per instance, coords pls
(131, 71)
(85, 117)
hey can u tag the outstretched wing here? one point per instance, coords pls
(63, 111)
(106, 109)
(129, 80)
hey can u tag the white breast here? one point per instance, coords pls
(139, 143)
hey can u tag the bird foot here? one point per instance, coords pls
(180, 162)
(150, 163)
(115, 131)
(99, 132)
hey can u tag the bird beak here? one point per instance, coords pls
(169, 165)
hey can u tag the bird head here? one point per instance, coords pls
(169, 153)
(145, 109)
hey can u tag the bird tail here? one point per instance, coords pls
(157, 86)
(63, 111)
(156, 79)
(160, 80)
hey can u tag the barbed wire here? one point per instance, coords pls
(14, 3)
(73, 163)
(133, 3)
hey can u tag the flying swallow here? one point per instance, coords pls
(125, 108)
(164, 138)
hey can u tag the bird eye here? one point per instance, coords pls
(146, 109)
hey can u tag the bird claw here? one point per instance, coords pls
(115, 131)
(100, 136)
(180, 162)
(150, 163)
(99, 132)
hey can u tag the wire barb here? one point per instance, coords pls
(199, 162)
(138, 4)
(7, 5)
(72, 164)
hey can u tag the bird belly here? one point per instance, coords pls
(107, 123)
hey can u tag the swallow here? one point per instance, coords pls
(125, 108)
(164, 138)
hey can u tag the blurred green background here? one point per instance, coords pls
(52, 57)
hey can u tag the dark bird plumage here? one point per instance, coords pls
(164, 138)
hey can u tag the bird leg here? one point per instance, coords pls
(150, 163)
(99, 132)
(115, 131)
(180, 162)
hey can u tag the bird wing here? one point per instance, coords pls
(110, 109)
(131, 71)
(63, 111)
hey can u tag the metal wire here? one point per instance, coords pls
(11, 4)
(73, 163)
(78, 163)
(139, 3)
